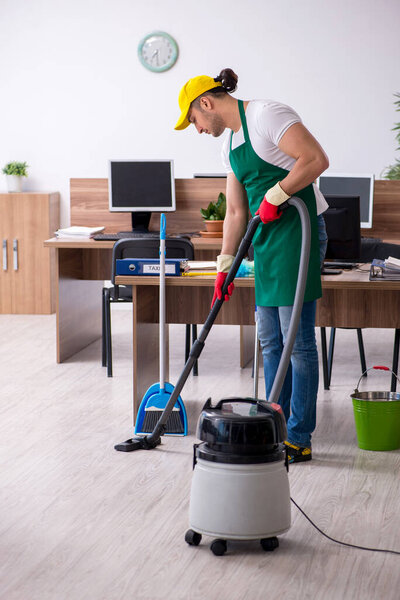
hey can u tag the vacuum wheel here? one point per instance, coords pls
(269, 544)
(218, 547)
(192, 537)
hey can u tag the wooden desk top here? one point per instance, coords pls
(348, 279)
(200, 281)
(199, 243)
(351, 280)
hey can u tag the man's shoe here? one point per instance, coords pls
(297, 453)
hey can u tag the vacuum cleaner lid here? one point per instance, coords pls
(242, 426)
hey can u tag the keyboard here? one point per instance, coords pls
(339, 265)
(102, 237)
(370, 240)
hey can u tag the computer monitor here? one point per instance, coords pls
(141, 187)
(342, 220)
(345, 184)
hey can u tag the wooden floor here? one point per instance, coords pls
(80, 521)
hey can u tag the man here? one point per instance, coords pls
(269, 156)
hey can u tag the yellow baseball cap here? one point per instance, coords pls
(190, 91)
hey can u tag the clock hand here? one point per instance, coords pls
(155, 55)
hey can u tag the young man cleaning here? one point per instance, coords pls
(269, 156)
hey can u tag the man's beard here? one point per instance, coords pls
(217, 125)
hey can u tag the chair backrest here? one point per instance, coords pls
(371, 249)
(145, 247)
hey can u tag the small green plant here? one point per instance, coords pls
(215, 211)
(16, 168)
(393, 171)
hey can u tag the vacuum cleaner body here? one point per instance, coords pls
(240, 487)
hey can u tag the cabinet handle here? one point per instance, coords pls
(15, 254)
(5, 266)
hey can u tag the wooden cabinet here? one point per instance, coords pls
(27, 274)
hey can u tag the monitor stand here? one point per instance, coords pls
(140, 223)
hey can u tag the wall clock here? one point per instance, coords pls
(158, 51)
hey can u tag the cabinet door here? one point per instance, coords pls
(6, 255)
(30, 259)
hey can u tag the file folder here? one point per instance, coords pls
(147, 266)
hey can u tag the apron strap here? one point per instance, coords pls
(244, 122)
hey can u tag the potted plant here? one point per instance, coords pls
(14, 172)
(214, 214)
(393, 172)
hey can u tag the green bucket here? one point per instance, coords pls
(377, 418)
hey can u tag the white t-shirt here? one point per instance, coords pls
(267, 121)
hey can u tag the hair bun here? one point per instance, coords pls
(229, 80)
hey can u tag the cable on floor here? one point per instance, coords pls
(338, 541)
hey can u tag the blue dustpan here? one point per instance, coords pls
(151, 407)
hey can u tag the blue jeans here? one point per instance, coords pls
(298, 397)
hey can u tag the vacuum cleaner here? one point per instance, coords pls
(240, 487)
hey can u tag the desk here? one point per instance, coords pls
(81, 268)
(349, 300)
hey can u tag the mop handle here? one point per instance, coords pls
(162, 300)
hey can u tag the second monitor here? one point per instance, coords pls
(342, 220)
(141, 187)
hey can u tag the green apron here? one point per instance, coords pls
(276, 245)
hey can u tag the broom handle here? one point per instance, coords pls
(162, 301)
(154, 438)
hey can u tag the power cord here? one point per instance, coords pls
(338, 541)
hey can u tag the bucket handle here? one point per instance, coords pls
(378, 367)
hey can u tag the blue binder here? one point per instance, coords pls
(147, 266)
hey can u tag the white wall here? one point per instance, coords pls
(73, 93)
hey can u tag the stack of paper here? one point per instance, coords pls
(392, 262)
(78, 232)
(201, 265)
(192, 268)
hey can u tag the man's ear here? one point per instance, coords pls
(206, 103)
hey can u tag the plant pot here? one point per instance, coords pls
(14, 183)
(214, 225)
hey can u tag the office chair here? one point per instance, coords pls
(139, 247)
(327, 356)
(370, 248)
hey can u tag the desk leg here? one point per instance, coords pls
(146, 343)
(78, 305)
(324, 358)
(247, 333)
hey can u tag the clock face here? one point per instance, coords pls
(158, 51)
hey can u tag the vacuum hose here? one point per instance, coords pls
(298, 299)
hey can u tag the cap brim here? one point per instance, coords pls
(183, 122)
